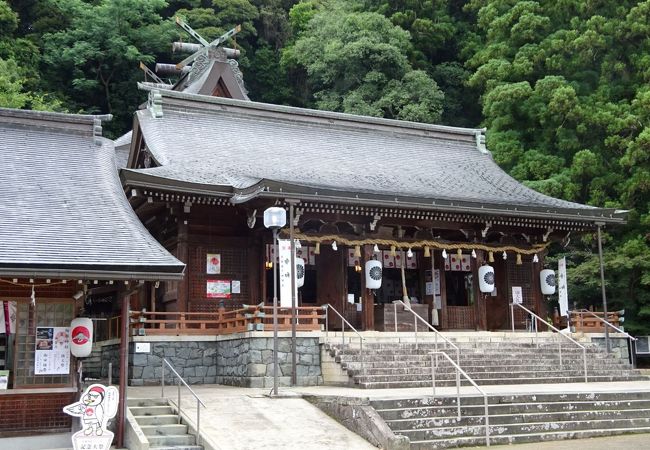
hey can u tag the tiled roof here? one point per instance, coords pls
(252, 149)
(63, 211)
(122, 148)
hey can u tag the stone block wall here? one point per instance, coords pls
(246, 361)
(249, 362)
(618, 346)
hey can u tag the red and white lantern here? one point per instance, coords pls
(81, 343)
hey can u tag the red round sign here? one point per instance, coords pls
(80, 335)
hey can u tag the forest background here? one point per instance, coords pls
(561, 85)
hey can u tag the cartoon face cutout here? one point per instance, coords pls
(93, 398)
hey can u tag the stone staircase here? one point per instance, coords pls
(405, 365)
(162, 427)
(433, 423)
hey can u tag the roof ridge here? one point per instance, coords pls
(207, 103)
(90, 125)
(54, 116)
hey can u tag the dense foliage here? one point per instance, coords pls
(561, 85)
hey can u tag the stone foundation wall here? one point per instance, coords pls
(618, 346)
(249, 362)
(245, 361)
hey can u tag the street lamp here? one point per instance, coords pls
(274, 219)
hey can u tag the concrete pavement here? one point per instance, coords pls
(625, 442)
(244, 419)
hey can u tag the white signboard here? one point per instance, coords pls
(517, 295)
(284, 251)
(52, 355)
(563, 292)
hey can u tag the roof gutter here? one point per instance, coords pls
(72, 274)
(460, 208)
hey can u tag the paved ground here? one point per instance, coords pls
(627, 442)
(245, 419)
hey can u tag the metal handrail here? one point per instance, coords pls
(431, 327)
(459, 372)
(584, 349)
(608, 323)
(343, 322)
(199, 403)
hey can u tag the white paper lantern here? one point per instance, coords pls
(547, 281)
(300, 272)
(81, 337)
(373, 274)
(486, 279)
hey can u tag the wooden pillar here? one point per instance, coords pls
(255, 265)
(124, 366)
(538, 298)
(183, 253)
(444, 319)
(367, 299)
(481, 299)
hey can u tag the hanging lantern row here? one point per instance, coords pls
(487, 281)
(426, 245)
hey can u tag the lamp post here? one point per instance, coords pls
(274, 219)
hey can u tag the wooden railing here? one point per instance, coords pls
(586, 322)
(246, 318)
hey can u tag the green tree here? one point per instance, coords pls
(94, 61)
(565, 100)
(356, 62)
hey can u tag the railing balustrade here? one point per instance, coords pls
(416, 318)
(343, 323)
(246, 318)
(538, 318)
(459, 372)
(180, 379)
(631, 339)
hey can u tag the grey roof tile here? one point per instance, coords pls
(224, 142)
(63, 209)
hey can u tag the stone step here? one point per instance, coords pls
(528, 428)
(164, 429)
(171, 440)
(493, 381)
(397, 356)
(522, 438)
(178, 447)
(435, 412)
(420, 374)
(480, 371)
(511, 418)
(388, 350)
(508, 399)
(150, 410)
(131, 402)
(157, 420)
(486, 363)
